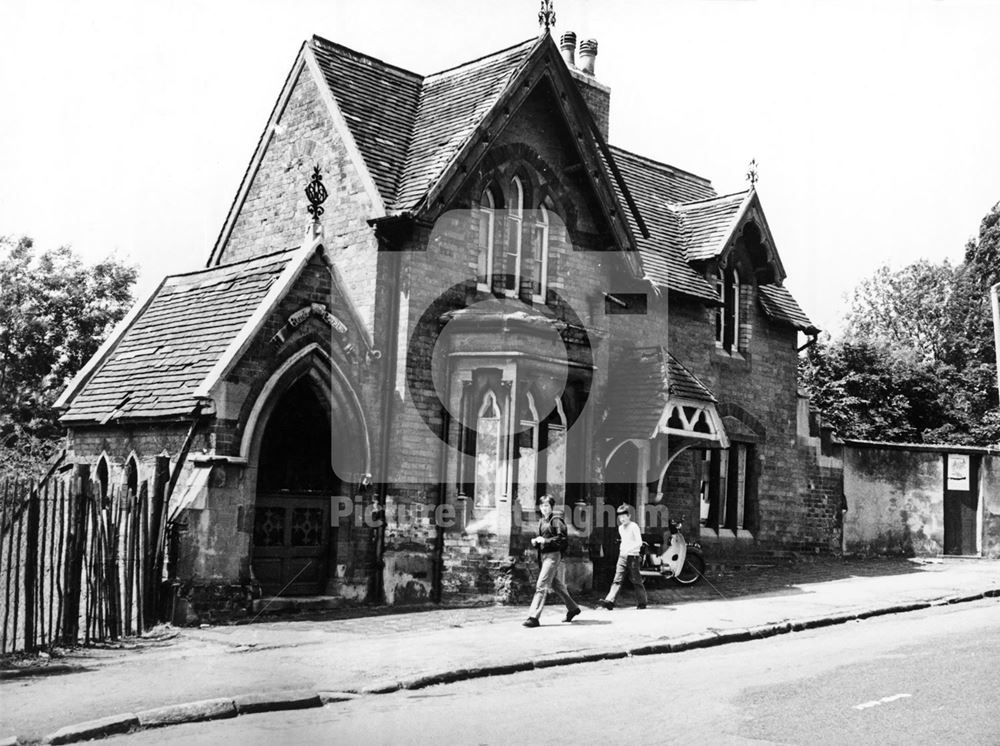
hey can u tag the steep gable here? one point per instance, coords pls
(452, 105)
(362, 86)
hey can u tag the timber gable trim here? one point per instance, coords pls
(541, 62)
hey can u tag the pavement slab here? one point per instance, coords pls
(351, 651)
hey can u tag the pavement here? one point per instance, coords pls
(182, 675)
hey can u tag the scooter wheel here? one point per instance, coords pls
(694, 568)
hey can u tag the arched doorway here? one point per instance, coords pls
(293, 540)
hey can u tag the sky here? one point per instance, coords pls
(125, 127)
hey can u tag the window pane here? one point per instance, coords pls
(484, 269)
(538, 251)
(512, 254)
(527, 466)
(487, 460)
(555, 463)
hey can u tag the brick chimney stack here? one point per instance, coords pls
(595, 93)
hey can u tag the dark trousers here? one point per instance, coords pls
(629, 564)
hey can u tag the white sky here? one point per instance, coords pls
(125, 127)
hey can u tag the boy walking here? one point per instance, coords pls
(629, 559)
(551, 542)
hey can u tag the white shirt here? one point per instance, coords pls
(631, 539)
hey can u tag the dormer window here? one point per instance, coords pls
(728, 288)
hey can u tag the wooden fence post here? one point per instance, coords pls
(30, 569)
(154, 546)
(75, 542)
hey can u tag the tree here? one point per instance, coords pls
(55, 311)
(917, 360)
(982, 254)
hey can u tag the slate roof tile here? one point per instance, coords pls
(707, 224)
(408, 127)
(641, 384)
(779, 304)
(172, 345)
(363, 86)
(657, 188)
(452, 104)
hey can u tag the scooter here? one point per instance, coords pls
(679, 559)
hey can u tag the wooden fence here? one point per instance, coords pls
(79, 563)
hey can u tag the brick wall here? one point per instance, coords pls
(273, 216)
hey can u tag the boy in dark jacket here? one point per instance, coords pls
(551, 541)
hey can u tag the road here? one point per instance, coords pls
(929, 677)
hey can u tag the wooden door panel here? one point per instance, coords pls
(291, 543)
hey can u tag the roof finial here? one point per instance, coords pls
(316, 194)
(752, 175)
(547, 16)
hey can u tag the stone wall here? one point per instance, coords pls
(896, 499)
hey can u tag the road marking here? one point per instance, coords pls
(877, 702)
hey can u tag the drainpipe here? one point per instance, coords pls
(995, 295)
(391, 358)
(165, 510)
(813, 338)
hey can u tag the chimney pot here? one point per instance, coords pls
(567, 47)
(588, 53)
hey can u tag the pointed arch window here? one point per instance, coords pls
(487, 239)
(728, 288)
(539, 254)
(515, 225)
(513, 240)
(489, 451)
(555, 453)
(131, 478)
(527, 455)
(103, 480)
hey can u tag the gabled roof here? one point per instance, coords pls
(362, 86)
(413, 132)
(452, 105)
(157, 358)
(708, 224)
(656, 188)
(409, 127)
(779, 304)
(643, 386)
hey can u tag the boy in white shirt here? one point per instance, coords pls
(629, 559)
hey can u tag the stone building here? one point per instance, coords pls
(491, 304)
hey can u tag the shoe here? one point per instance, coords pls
(530, 622)
(609, 605)
(571, 614)
(640, 606)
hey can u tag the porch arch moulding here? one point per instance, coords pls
(337, 392)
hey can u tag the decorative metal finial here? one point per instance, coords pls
(547, 15)
(316, 194)
(752, 175)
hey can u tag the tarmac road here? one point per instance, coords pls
(927, 677)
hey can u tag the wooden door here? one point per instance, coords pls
(961, 503)
(292, 542)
